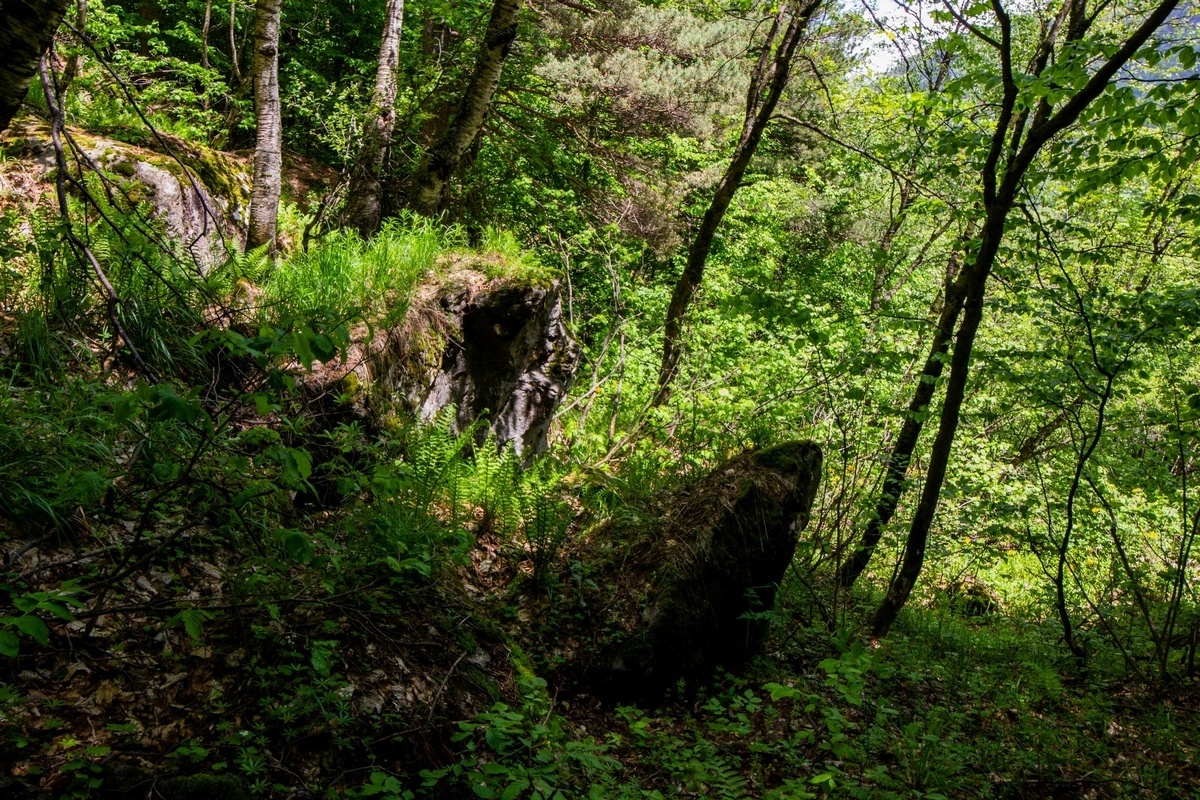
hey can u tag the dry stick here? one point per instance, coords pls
(77, 244)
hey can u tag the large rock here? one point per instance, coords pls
(494, 348)
(681, 595)
(201, 196)
(509, 358)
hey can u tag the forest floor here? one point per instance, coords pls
(434, 691)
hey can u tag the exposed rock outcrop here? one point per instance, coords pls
(492, 347)
(682, 595)
(199, 195)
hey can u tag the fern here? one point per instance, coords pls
(546, 518)
(495, 487)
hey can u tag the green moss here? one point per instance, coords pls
(787, 457)
(350, 385)
(224, 176)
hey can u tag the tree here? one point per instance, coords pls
(767, 82)
(1026, 121)
(268, 145)
(364, 204)
(444, 157)
(26, 30)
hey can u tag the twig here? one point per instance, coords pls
(77, 244)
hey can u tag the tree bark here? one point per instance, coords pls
(75, 62)
(26, 29)
(205, 29)
(1017, 139)
(918, 534)
(268, 145)
(766, 85)
(364, 203)
(910, 431)
(433, 177)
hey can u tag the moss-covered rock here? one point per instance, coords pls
(488, 346)
(688, 592)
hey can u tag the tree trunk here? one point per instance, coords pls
(233, 46)
(766, 85)
(429, 189)
(205, 29)
(1018, 137)
(906, 442)
(939, 457)
(75, 62)
(26, 30)
(268, 145)
(364, 204)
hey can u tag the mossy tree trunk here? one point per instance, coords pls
(268, 145)
(429, 188)
(26, 30)
(364, 204)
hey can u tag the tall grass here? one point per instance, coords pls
(351, 276)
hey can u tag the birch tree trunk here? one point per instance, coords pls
(443, 158)
(26, 30)
(268, 144)
(364, 203)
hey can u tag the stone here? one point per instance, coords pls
(199, 195)
(493, 348)
(511, 360)
(690, 592)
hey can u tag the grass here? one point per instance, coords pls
(345, 273)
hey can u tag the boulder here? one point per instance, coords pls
(201, 196)
(684, 593)
(493, 346)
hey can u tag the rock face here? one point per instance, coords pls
(510, 358)
(674, 595)
(492, 347)
(199, 195)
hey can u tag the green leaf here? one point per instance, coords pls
(779, 691)
(34, 628)
(58, 610)
(297, 546)
(514, 789)
(10, 645)
(171, 406)
(193, 620)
